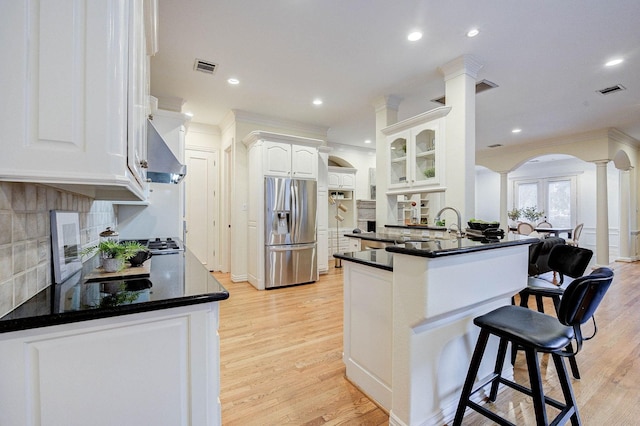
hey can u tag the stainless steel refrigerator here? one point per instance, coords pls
(290, 232)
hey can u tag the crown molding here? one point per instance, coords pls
(391, 102)
(465, 64)
(253, 118)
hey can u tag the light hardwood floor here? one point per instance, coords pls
(281, 360)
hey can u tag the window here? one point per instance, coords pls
(556, 197)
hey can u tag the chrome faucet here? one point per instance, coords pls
(459, 224)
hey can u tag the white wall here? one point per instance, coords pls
(203, 137)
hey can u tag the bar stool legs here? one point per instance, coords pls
(568, 409)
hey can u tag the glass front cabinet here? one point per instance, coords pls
(416, 151)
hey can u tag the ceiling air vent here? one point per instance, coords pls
(481, 86)
(205, 66)
(612, 89)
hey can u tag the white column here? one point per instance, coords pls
(460, 92)
(504, 220)
(625, 196)
(602, 214)
(386, 114)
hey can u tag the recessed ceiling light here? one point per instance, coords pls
(233, 81)
(414, 36)
(516, 130)
(367, 141)
(317, 101)
(473, 32)
(614, 62)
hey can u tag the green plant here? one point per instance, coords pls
(430, 172)
(110, 249)
(532, 214)
(514, 214)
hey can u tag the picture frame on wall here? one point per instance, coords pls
(65, 244)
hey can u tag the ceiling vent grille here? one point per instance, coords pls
(481, 86)
(205, 66)
(612, 89)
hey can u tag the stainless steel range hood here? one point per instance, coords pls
(164, 167)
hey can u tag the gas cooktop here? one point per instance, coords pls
(162, 245)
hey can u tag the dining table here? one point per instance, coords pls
(554, 231)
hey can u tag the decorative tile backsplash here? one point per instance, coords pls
(25, 235)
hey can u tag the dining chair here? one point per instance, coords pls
(575, 236)
(536, 333)
(544, 224)
(525, 228)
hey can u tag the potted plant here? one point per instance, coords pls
(514, 214)
(114, 253)
(532, 214)
(430, 172)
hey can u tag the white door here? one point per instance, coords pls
(201, 205)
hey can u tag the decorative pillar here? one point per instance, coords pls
(460, 159)
(386, 115)
(504, 220)
(602, 214)
(625, 197)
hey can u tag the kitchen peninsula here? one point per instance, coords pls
(142, 350)
(408, 319)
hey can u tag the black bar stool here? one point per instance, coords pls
(536, 332)
(565, 260)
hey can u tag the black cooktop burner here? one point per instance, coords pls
(162, 245)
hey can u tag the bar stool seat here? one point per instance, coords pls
(535, 332)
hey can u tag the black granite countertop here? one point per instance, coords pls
(378, 236)
(380, 258)
(430, 248)
(175, 280)
(449, 247)
(422, 227)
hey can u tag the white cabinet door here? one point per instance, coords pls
(277, 159)
(151, 368)
(138, 95)
(304, 161)
(333, 180)
(416, 151)
(323, 251)
(68, 85)
(349, 181)
(290, 160)
(339, 179)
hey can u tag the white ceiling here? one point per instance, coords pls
(547, 57)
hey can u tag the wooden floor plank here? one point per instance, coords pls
(281, 359)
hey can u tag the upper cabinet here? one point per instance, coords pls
(342, 178)
(416, 152)
(78, 83)
(287, 159)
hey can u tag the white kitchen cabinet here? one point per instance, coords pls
(322, 210)
(153, 368)
(78, 86)
(342, 178)
(290, 160)
(416, 152)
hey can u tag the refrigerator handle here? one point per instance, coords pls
(294, 218)
(295, 247)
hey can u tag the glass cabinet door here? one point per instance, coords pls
(398, 158)
(424, 155)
